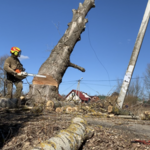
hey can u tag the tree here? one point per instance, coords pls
(3, 74)
(135, 91)
(147, 80)
(59, 60)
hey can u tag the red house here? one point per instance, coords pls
(78, 96)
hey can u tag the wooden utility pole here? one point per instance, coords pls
(134, 56)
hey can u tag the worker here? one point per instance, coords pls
(12, 64)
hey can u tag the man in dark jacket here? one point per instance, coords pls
(11, 65)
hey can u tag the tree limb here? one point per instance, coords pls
(76, 66)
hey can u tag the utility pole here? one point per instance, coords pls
(78, 87)
(134, 56)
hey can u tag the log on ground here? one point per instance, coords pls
(117, 111)
(8, 103)
(145, 115)
(70, 138)
(54, 104)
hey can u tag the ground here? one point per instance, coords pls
(22, 130)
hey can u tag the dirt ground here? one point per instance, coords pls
(22, 130)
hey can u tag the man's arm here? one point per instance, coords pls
(7, 68)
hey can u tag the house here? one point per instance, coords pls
(94, 98)
(78, 96)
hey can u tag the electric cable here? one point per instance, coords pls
(96, 54)
(100, 80)
(69, 87)
(89, 87)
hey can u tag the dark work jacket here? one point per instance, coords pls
(11, 64)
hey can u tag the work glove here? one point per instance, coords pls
(15, 73)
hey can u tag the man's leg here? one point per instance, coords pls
(18, 91)
(9, 86)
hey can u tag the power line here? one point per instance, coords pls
(95, 84)
(100, 80)
(69, 87)
(89, 87)
(96, 54)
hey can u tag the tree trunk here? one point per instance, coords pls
(70, 138)
(59, 60)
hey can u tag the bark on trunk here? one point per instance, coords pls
(59, 60)
(70, 138)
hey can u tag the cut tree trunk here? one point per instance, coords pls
(70, 138)
(59, 60)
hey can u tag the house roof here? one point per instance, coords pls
(81, 96)
(60, 96)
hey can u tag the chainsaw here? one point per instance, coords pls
(20, 73)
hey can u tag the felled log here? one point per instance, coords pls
(145, 115)
(74, 109)
(117, 111)
(112, 100)
(97, 114)
(96, 104)
(110, 115)
(58, 110)
(66, 109)
(70, 138)
(127, 117)
(53, 104)
(110, 109)
(102, 110)
(8, 103)
(37, 109)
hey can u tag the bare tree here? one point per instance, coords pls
(118, 86)
(2, 75)
(59, 60)
(136, 89)
(147, 80)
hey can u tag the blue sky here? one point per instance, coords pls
(112, 30)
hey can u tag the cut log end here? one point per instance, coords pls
(58, 110)
(49, 105)
(110, 109)
(69, 110)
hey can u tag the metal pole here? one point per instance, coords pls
(134, 56)
(78, 87)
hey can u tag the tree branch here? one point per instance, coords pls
(76, 66)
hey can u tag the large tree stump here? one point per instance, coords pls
(59, 60)
(70, 138)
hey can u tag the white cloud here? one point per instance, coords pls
(22, 57)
